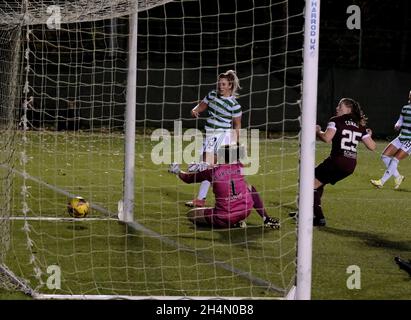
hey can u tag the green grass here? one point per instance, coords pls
(105, 257)
(365, 226)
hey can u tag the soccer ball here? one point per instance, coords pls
(78, 207)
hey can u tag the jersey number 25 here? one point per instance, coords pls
(350, 140)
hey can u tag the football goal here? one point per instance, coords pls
(95, 101)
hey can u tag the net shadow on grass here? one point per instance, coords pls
(248, 237)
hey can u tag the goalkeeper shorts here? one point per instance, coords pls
(219, 219)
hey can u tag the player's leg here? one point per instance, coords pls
(212, 218)
(401, 154)
(404, 152)
(211, 145)
(393, 167)
(323, 172)
(224, 219)
(236, 220)
(224, 139)
(213, 141)
(258, 202)
(258, 205)
(208, 158)
(200, 216)
(389, 152)
(329, 171)
(387, 157)
(319, 219)
(391, 148)
(318, 215)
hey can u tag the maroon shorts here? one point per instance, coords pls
(332, 170)
(220, 219)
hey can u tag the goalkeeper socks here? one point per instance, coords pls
(204, 186)
(258, 203)
(390, 170)
(387, 161)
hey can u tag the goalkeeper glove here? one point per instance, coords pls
(198, 167)
(174, 168)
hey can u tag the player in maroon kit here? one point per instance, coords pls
(234, 197)
(345, 131)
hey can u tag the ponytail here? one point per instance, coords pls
(356, 111)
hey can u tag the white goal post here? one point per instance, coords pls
(95, 100)
(307, 147)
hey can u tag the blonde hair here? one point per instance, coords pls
(232, 79)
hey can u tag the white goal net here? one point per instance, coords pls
(63, 96)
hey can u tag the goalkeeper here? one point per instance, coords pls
(224, 114)
(398, 149)
(235, 198)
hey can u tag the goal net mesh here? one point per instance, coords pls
(63, 88)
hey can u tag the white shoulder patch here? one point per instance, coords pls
(331, 125)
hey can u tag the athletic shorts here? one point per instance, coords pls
(220, 219)
(402, 144)
(215, 139)
(332, 170)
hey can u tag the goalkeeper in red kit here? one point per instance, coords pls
(234, 197)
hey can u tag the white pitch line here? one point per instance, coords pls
(20, 218)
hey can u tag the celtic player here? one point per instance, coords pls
(222, 125)
(397, 149)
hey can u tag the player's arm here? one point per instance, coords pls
(194, 177)
(237, 127)
(399, 122)
(328, 134)
(368, 140)
(202, 106)
(190, 177)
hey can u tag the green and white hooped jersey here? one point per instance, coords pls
(221, 111)
(405, 133)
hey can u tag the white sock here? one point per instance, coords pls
(390, 170)
(204, 186)
(387, 161)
